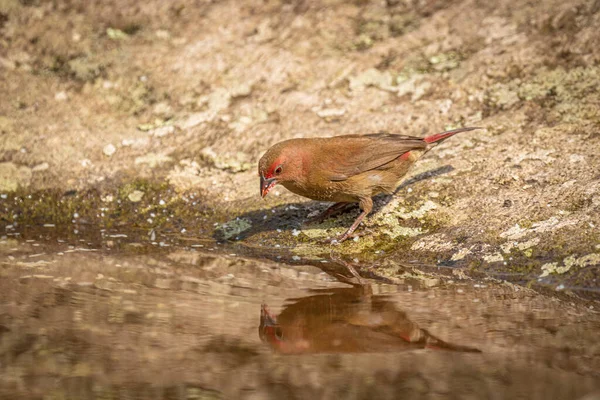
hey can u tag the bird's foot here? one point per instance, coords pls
(346, 236)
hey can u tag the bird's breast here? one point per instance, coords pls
(324, 191)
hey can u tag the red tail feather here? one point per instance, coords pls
(444, 135)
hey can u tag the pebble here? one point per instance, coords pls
(109, 150)
(135, 196)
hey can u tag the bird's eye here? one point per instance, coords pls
(278, 170)
(278, 333)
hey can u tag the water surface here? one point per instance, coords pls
(88, 320)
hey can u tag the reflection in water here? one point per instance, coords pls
(181, 324)
(346, 320)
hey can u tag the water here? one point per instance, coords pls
(85, 321)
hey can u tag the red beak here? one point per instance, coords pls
(266, 185)
(267, 322)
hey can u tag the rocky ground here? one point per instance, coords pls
(152, 116)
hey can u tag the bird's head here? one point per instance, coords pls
(281, 163)
(269, 330)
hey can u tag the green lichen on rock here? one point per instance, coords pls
(13, 176)
(570, 262)
(445, 61)
(234, 162)
(232, 229)
(569, 94)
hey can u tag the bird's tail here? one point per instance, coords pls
(438, 137)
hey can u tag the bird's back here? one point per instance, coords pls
(349, 167)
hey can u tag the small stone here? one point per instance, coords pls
(241, 90)
(153, 159)
(61, 96)
(235, 227)
(162, 34)
(136, 196)
(492, 258)
(116, 34)
(109, 150)
(41, 167)
(331, 113)
(162, 131)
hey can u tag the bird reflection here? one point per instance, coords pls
(345, 320)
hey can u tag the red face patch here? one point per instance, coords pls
(271, 171)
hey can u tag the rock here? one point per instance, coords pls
(61, 96)
(40, 167)
(162, 34)
(444, 61)
(416, 84)
(234, 227)
(219, 100)
(162, 110)
(12, 176)
(153, 159)
(331, 113)
(196, 119)
(109, 150)
(460, 254)
(162, 131)
(503, 97)
(186, 176)
(372, 77)
(241, 90)
(138, 143)
(236, 162)
(84, 69)
(136, 196)
(116, 34)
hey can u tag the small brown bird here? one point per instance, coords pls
(344, 169)
(346, 320)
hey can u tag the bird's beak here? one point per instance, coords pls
(266, 185)
(267, 323)
(266, 319)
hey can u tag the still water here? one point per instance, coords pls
(193, 323)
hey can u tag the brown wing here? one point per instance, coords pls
(354, 154)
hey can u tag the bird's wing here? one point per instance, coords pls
(354, 154)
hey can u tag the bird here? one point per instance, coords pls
(344, 169)
(346, 320)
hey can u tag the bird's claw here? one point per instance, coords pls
(346, 236)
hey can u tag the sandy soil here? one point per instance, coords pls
(104, 95)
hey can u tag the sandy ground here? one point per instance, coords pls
(102, 95)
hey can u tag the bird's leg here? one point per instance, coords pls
(332, 210)
(366, 205)
(351, 269)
